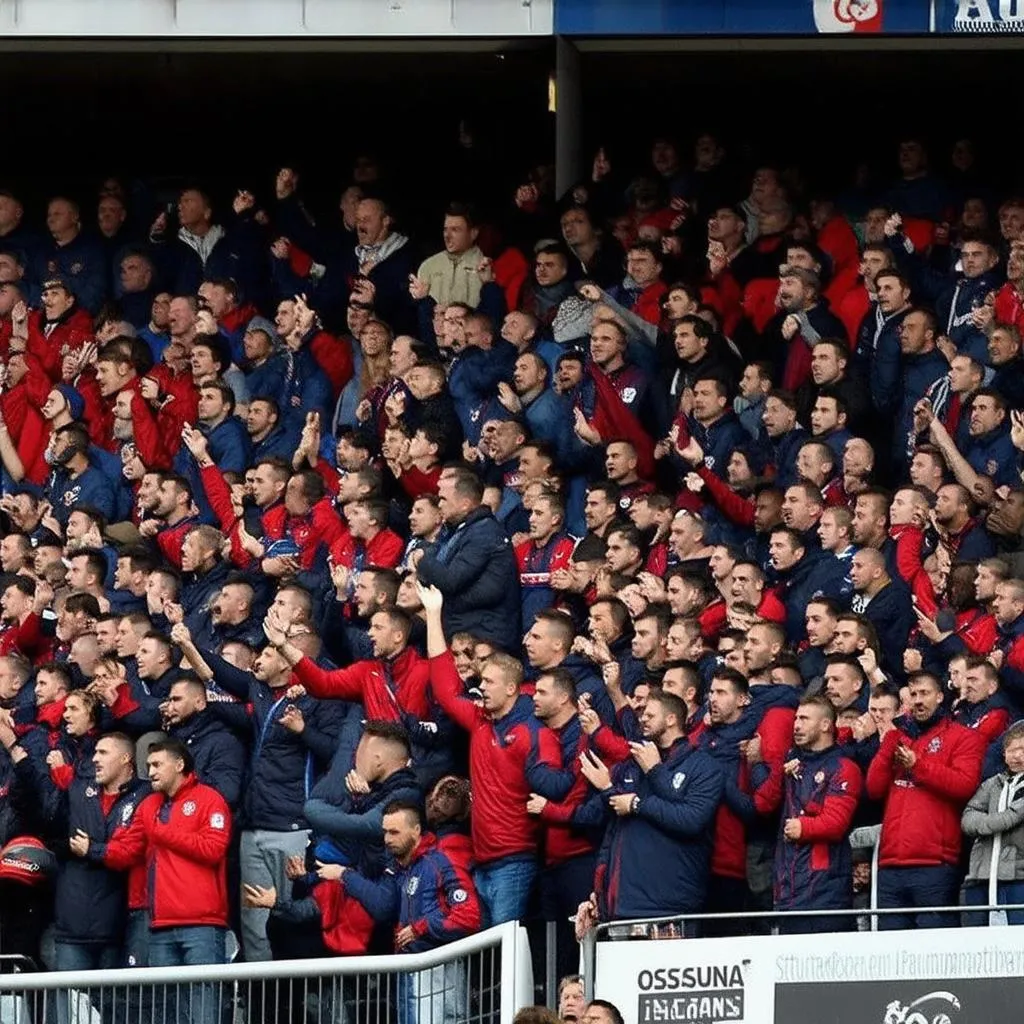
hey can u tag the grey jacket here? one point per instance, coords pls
(995, 817)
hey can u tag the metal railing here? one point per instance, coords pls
(482, 979)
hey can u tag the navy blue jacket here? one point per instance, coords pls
(279, 443)
(83, 264)
(198, 593)
(283, 765)
(431, 895)
(994, 455)
(13, 800)
(229, 449)
(588, 680)
(816, 872)
(718, 440)
(238, 256)
(878, 344)
(91, 901)
(92, 487)
(347, 826)
(267, 380)
(657, 861)
(915, 376)
(306, 389)
(953, 296)
(219, 755)
(475, 568)
(782, 455)
(815, 574)
(891, 613)
(474, 377)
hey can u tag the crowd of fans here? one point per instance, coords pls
(614, 561)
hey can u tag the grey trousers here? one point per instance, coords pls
(263, 857)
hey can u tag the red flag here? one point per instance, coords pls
(614, 419)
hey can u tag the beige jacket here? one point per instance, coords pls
(453, 278)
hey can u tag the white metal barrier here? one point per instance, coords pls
(482, 979)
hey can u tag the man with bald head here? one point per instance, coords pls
(531, 396)
(858, 466)
(958, 524)
(886, 604)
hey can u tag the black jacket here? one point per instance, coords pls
(475, 569)
(91, 900)
(218, 753)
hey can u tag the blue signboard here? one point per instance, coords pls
(978, 17)
(751, 17)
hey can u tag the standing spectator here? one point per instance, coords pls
(926, 770)
(181, 833)
(473, 565)
(656, 855)
(994, 817)
(511, 755)
(820, 790)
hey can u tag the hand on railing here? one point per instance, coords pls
(586, 917)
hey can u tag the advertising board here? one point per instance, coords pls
(938, 976)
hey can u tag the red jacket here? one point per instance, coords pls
(909, 542)
(346, 924)
(921, 823)
(171, 538)
(853, 308)
(989, 718)
(180, 404)
(776, 733)
(383, 550)
(562, 842)
(28, 431)
(416, 483)
(713, 618)
(321, 525)
(26, 638)
(184, 843)
(333, 356)
(367, 682)
(218, 493)
(508, 760)
(648, 303)
(759, 301)
(50, 343)
(736, 507)
(839, 241)
(1009, 306)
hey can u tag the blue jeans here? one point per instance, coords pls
(136, 939)
(434, 996)
(185, 947)
(910, 887)
(72, 956)
(504, 887)
(976, 895)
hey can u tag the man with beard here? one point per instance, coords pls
(656, 854)
(76, 480)
(818, 793)
(219, 754)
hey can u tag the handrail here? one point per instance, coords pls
(18, 959)
(500, 936)
(754, 915)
